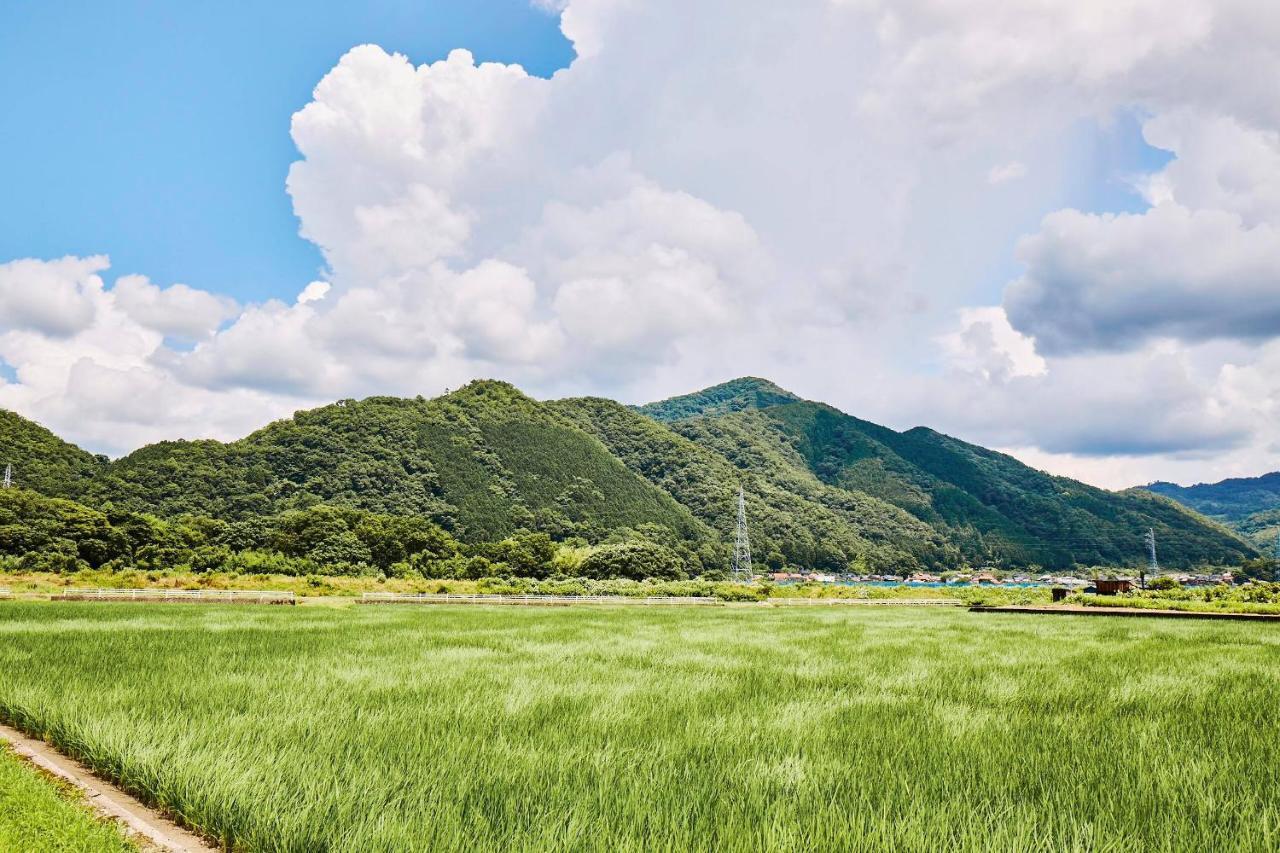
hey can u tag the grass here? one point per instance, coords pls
(37, 814)
(316, 585)
(40, 583)
(1157, 602)
(447, 728)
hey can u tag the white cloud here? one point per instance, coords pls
(177, 310)
(110, 382)
(806, 194)
(56, 298)
(313, 292)
(1006, 172)
(988, 346)
(1111, 282)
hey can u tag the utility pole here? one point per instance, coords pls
(742, 543)
(1150, 539)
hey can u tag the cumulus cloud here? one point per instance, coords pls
(56, 298)
(1156, 401)
(314, 292)
(178, 310)
(1098, 282)
(988, 346)
(108, 380)
(806, 195)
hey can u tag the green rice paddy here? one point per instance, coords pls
(444, 728)
(37, 815)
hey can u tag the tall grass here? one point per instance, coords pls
(606, 729)
(37, 816)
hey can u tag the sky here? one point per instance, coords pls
(1052, 228)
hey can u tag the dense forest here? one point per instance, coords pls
(1249, 505)
(487, 481)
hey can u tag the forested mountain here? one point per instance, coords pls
(795, 517)
(1250, 505)
(42, 461)
(485, 471)
(987, 506)
(1230, 500)
(736, 395)
(482, 462)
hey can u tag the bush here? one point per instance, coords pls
(739, 592)
(57, 562)
(635, 560)
(210, 558)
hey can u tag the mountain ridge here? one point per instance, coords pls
(1249, 505)
(745, 392)
(825, 489)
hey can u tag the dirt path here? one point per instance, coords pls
(106, 799)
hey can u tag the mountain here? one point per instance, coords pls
(794, 516)
(986, 505)
(481, 462)
(823, 489)
(736, 395)
(1250, 505)
(1230, 500)
(43, 462)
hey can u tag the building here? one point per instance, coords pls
(1113, 586)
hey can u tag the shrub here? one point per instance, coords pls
(739, 592)
(635, 560)
(1163, 583)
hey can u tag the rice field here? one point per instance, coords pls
(38, 815)
(447, 728)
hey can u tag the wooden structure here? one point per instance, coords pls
(1113, 586)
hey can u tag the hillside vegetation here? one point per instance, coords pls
(796, 518)
(481, 462)
(1250, 505)
(488, 481)
(991, 506)
(748, 392)
(1231, 500)
(42, 461)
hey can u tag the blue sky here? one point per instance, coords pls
(158, 132)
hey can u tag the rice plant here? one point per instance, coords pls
(454, 728)
(38, 815)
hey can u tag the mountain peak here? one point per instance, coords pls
(747, 392)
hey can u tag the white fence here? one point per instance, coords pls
(222, 596)
(549, 600)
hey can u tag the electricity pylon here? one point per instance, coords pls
(1275, 569)
(1150, 539)
(742, 543)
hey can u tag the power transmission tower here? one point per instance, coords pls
(1150, 539)
(8, 476)
(742, 543)
(1275, 568)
